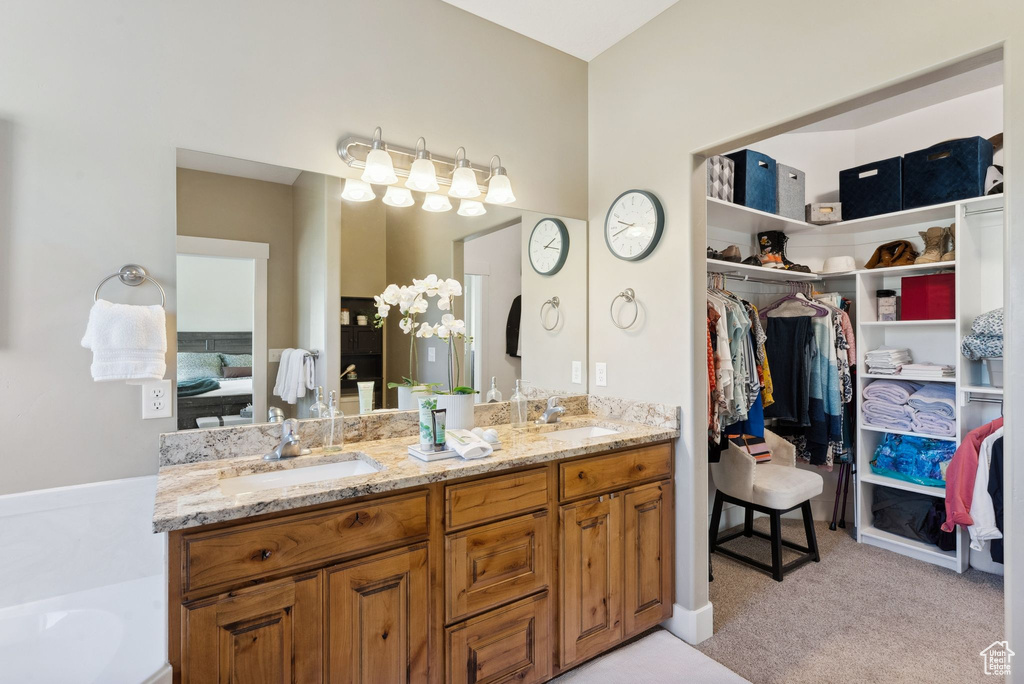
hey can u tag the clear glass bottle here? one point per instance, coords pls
(493, 394)
(518, 408)
(336, 437)
(318, 409)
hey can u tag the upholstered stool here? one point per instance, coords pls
(772, 488)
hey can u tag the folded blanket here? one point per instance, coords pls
(978, 346)
(989, 323)
(892, 391)
(938, 398)
(888, 415)
(190, 388)
(933, 424)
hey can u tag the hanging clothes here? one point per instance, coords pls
(995, 490)
(960, 476)
(983, 514)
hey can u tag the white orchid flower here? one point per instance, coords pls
(391, 294)
(382, 307)
(426, 330)
(419, 305)
(407, 324)
(444, 304)
(406, 296)
(458, 327)
(428, 285)
(454, 287)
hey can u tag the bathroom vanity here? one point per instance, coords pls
(514, 567)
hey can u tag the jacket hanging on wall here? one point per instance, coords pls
(515, 315)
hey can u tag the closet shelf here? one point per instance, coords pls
(875, 479)
(910, 378)
(738, 271)
(736, 217)
(888, 431)
(912, 269)
(908, 324)
(910, 547)
(982, 389)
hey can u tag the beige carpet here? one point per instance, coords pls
(860, 615)
(657, 657)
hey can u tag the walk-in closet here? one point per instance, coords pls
(902, 351)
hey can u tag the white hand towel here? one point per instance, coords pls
(128, 342)
(467, 445)
(282, 373)
(309, 371)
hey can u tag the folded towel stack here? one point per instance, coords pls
(928, 371)
(889, 415)
(128, 342)
(892, 391)
(927, 408)
(936, 398)
(887, 360)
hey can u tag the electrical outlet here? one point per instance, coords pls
(156, 399)
(431, 355)
(601, 374)
(577, 372)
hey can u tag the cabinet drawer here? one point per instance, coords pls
(248, 552)
(614, 471)
(506, 645)
(496, 563)
(499, 497)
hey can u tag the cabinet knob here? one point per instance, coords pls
(262, 554)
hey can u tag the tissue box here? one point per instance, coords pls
(872, 189)
(947, 172)
(822, 213)
(789, 192)
(720, 177)
(754, 180)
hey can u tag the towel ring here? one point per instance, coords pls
(131, 275)
(554, 304)
(630, 296)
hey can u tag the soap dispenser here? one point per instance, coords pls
(336, 437)
(493, 394)
(318, 408)
(518, 408)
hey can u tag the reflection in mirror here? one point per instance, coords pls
(276, 286)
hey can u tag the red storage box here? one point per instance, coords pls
(929, 297)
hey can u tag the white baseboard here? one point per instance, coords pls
(161, 676)
(692, 626)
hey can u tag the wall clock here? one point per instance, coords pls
(634, 225)
(549, 246)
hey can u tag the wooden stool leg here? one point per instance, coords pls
(748, 521)
(812, 539)
(846, 490)
(776, 535)
(716, 522)
(839, 489)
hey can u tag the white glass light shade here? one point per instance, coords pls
(398, 197)
(422, 176)
(436, 203)
(357, 191)
(464, 183)
(499, 190)
(379, 168)
(468, 207)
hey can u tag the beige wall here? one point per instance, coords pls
(696, 75)
(213, 205)
(363, 248)
(95, 98)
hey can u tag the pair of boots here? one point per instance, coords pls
(936, 241)
(772, 254)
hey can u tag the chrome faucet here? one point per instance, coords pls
(289, 446)
(553, 412)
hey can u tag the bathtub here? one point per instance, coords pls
(82, 586)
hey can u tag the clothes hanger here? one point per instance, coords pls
(799, 297)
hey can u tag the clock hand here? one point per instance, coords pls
(621, 231)
(550, 243)
(627, 224)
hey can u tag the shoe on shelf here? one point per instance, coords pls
(934, 245)
(951, 234)
(714, 253)
(752, 261)
(731, 253)
(773, 251)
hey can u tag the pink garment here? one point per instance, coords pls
(851, 339)
(960, 475)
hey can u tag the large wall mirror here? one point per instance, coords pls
(277, 274)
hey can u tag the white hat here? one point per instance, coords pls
(839, 264)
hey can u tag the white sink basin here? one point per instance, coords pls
(576, 434)
(288, 477)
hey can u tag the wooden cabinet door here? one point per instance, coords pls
(377, 612)
(267, 635)
(648, 532)
(591, 577)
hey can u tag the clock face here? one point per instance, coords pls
(634, 225)
(549, 246)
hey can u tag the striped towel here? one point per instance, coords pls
(893, 391)
(936, 397)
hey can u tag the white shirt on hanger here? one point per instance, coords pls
(983, 512)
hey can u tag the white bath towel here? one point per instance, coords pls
(295, 374)
(128, 342)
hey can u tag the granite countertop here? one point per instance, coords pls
(189, 494)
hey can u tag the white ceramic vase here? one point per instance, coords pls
(458, 410)
(409, 397)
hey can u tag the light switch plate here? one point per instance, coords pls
(274, 355)
(577, 372)
(601, 374)
(431, 356)
(156, 399)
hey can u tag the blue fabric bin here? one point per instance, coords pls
(872, 189)
(754, 180)
(947, 172)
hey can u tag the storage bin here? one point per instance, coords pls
(995, 371)
(947, 172)
(823, 213)
(720, 177)
(754, 180)
(872, 189)
(789, 192)
(929, 297)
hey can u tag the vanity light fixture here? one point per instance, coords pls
(357, 191)
(380, 170)
(499, 188)
(398, 197)
(436, 203)
(422, 175)
(463, 177)
(468, 207)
